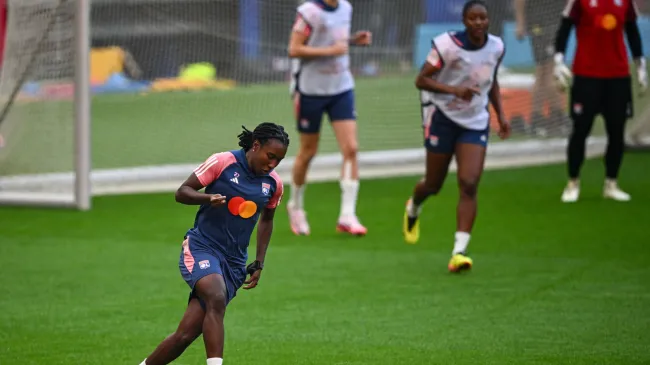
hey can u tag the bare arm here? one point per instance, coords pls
(495, 98)
(520, 13)
(424, 80)
(264, 232)
(299, 49)
(188, 193)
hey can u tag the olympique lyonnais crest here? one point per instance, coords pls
(266, 188)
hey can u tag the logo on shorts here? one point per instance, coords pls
(577, 108)
(433, 140)
(304, 123)
(266, 188)
(483, 138)
(204, 264)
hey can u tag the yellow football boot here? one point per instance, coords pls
(459, 263)
(410, 227)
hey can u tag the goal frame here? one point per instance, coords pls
(81, 198)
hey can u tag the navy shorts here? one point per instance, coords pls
(198, 259)
(310, 110)
(441, 134)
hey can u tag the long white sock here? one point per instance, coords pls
(461, 242)
(349, 195)
(215, 361)
(297, 196)
(413, 210)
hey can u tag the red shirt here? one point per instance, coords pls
(601, 50)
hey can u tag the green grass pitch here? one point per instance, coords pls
(187, 127)
(552, 283)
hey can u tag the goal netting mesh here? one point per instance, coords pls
(173, 81)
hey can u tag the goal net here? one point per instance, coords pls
(173, 81)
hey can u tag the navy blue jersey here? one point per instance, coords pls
(228, 228)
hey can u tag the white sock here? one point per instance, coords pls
(144, 362)
(461, 242)
(215, 361)
(349, 194)
(413, 210)
(297, 196)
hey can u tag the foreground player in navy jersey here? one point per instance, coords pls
(240, 188)
(457, 82)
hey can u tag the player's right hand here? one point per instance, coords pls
(466, 93)
(339, 49)
(217, 200)
(561, 72)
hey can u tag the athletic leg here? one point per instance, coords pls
(188, 330)
(341, 112)
(308, 116)
(211, 289)
(439, 139)
(586, 98)
(470, 152)
(471, 159)
(617, 110)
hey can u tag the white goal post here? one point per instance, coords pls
(33, 25)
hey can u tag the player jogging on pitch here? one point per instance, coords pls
(457, 82)
(240, 188)
(602, 83)
(322, 83)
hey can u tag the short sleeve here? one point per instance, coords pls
(278, 193)
(306, 18)
(572, 10)
(434, 58)
(211, 169)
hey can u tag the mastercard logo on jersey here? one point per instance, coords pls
(239, 206)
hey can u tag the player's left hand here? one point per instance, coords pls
(504, 128)
(642, 75)
(362, 38)
(254, 269)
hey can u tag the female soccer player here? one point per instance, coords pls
(457, 81)
(602, 83)
(240, 187)
(323, 83)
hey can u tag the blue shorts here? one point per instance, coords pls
(198, 259)
(441, 134)
(310, 110)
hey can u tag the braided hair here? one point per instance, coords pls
(263, 133)
(468, 5)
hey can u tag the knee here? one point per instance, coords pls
(216, 303)
(307, 152)
(350, 151)
(184, 337)
(468, 186)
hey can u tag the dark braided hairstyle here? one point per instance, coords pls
(468, 5)
(262, 133)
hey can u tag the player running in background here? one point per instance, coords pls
(322, 83)
(240, 188)
(539, 20)
(602, 83)
(457, 82)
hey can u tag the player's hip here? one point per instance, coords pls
(442, 134)
(471, 119)
(319, 86)
(234, 252)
